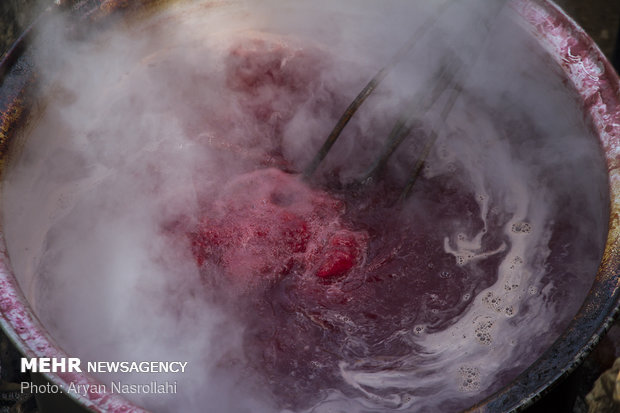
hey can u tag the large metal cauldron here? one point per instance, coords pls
(587, 72)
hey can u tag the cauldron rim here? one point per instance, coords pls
(590, 75)
(597, 84)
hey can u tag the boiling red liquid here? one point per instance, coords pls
(267, 224)
(317, 282)
(321, 274)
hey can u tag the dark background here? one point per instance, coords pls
(599, 18)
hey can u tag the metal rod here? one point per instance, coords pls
(429, 144)
(370, 87)
(406, 121)
(455, 93)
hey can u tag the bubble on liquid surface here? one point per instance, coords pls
(470, 378)
(482, 332)
(492, 301)
(445, 274)
(521, 228)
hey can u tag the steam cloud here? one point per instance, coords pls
(137, 125)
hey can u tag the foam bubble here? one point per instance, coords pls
(521, 228)
(492, 301)
(470, 378)
(482, 332)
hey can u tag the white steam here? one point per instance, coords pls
(138, 124)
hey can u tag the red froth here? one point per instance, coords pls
(340, 255)
(267, 224)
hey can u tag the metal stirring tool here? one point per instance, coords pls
(449, 78)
